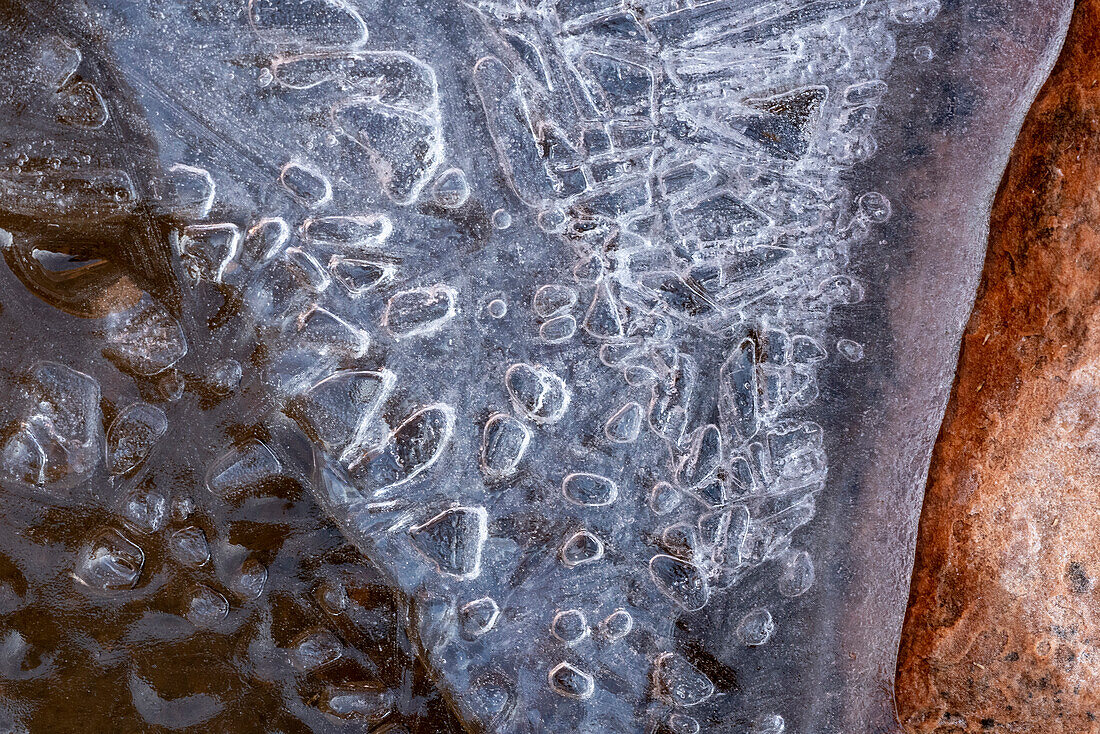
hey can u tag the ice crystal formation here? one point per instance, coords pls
(530, 299)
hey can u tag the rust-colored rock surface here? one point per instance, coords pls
(1003, 628)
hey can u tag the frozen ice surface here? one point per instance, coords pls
(506, 366)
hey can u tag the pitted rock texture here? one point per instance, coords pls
(1003, 631)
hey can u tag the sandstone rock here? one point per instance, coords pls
(1003, 629)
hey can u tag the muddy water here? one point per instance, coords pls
(77, 661)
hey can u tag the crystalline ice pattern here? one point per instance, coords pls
(614, 336)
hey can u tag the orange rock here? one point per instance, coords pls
(1003, 628)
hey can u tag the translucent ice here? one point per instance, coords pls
(590, 326)
(109, 562)
(58, 438)
(145, 339)
(453, 541)
(132, 435)
(420, 311)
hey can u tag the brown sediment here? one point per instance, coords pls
(1003, 628)
(84, 195)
